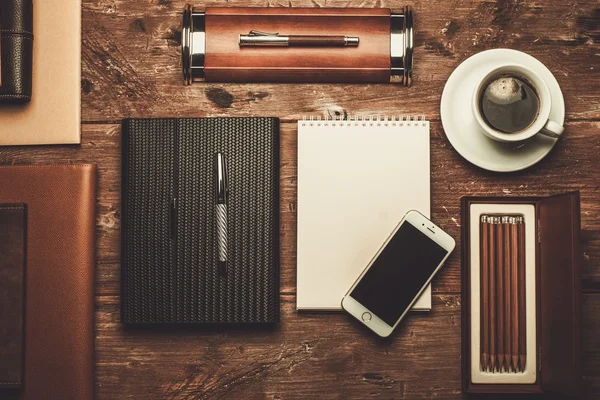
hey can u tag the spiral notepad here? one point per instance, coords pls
(357, 178)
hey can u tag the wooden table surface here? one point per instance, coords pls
(131, 68)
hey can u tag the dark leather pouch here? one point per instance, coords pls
(12, 296)
(16, 50)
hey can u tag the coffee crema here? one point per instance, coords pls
(509, 103)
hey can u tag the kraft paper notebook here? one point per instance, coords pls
(57, 348)
(356, 180)
(54, 114)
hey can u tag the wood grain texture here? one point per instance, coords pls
(306, 356)
(131, 68)
(297, 359)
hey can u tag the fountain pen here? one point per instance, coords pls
(258, 38)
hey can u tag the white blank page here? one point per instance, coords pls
(356, 180)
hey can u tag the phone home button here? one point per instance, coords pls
(366, 316)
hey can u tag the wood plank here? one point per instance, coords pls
(305, 354)
(131, 60)
(312, 355)
(572, 165)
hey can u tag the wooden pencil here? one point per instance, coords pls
(499, 294)
(507, 296)
(492, 291)
(514, 301)
(484, 303)
(522, 295)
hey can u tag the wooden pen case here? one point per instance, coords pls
(557, 298)
(211, 50)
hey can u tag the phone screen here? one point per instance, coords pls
(399, 273)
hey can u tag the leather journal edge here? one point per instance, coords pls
(13, 233)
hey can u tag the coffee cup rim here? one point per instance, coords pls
(542, 90)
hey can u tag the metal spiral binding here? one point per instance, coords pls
(365, 120)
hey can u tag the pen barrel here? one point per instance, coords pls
(321, 41)
(221, 218)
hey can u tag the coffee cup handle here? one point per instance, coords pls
(552, 129)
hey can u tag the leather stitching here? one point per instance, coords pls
(14, 31)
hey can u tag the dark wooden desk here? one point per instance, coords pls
(131, 68)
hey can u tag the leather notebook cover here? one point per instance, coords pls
(54, 114)
(169, 270)
(559, 233)
(13, 226)
(59, 301)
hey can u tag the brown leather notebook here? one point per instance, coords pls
(59, 285)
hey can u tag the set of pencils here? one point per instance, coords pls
(503, 340)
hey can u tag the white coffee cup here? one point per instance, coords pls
(542, 124)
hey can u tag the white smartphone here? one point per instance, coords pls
(398, 274)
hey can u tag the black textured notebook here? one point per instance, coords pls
(169, 268)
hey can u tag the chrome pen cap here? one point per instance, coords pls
(220, 179)
(401, 46)
(193, 44)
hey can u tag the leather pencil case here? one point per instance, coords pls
(521, 302)
(16, 50)
(270, 44)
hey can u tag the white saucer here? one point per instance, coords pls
(459, 123)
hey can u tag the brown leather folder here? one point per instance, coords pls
(59, 284)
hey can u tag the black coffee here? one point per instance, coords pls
(509, 104)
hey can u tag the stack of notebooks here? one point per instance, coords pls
(356, 180)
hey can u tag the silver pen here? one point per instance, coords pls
(221, 212)
(258, 38)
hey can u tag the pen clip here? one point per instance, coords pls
(260, 33)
